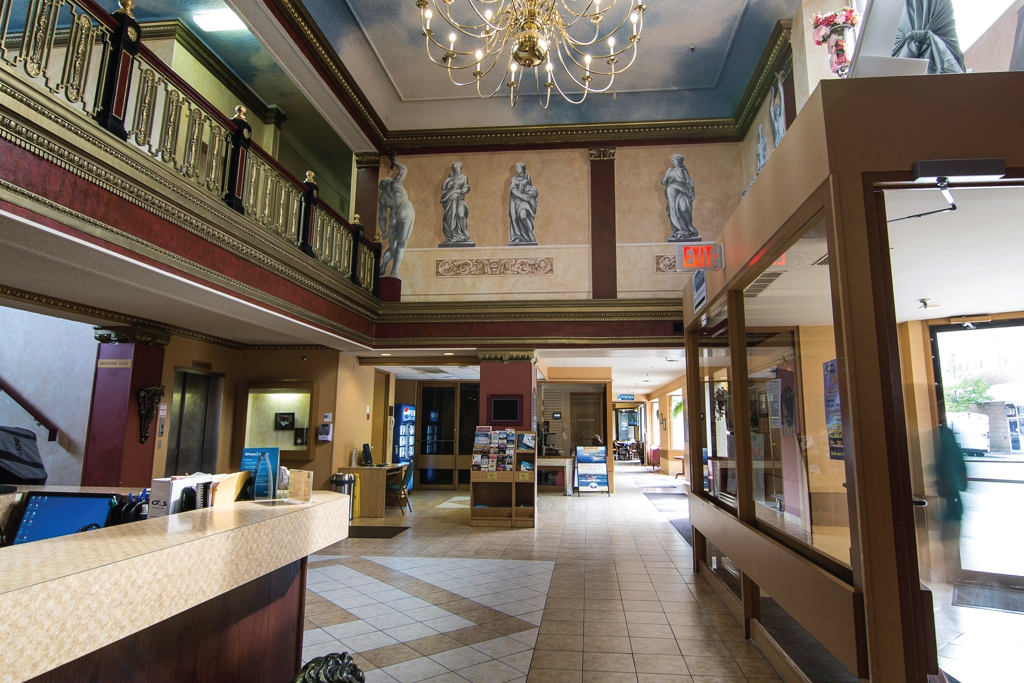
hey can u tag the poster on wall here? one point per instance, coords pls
(774, 391)
(263, 464)
(592, 468)
(833, 414)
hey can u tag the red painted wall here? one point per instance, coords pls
(497, 378)
(113, 454)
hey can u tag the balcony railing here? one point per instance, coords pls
(96, 61)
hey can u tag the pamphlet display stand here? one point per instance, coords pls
(505, 497)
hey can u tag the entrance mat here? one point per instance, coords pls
(984, 597)
(677, 507)
(684, 528)
(375, 531)
(667, 490)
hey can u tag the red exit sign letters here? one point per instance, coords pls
(694, 256)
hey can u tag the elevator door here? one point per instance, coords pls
(194, 428)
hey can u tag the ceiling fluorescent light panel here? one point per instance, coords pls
(218, 20)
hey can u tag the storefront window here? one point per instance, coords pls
(717, 432)
(678, 413)
(797, 448)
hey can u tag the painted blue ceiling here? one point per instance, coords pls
(306, 131)
(381, 45)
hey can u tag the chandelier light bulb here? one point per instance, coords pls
(514, 67)
(427, 15)
(451, 37)
(488, 14)
(611, 43)
(479, 56)
(586, 58)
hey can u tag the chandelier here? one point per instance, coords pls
(573, 34)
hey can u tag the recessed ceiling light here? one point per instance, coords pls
(385, 354)
(448, 353)
(218, 20)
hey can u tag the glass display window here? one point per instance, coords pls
(716, 432)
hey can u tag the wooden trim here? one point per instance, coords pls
(741, 408)
(789, 578)
(776, 656)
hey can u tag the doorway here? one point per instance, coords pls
(194, 428)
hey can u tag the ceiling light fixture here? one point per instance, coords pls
(218, 20)
(385, 354)
(448, 353)
(537, 33)
(927, 304)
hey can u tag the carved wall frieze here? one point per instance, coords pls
(664, 263)
(367, 159)
(602, 154)
(272, 254)
(35, 203)
(507, 356)
(479, 267)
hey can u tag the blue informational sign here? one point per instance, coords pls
(262, 463)
(592, 468)
(833, 411)
(625, 397)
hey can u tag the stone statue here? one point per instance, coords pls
(777, 111)
(456, 211)
(762, 148)
(332, 668)
(395, 216)
(679, 195)
(522, 209)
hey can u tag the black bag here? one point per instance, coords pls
(19, 458)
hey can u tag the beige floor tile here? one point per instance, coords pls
(553, 676)
(743, 648)
(654, 646)
(550, 659)
(460, 658)
(562, 642)
(642, 606)
(617, 644)
(659, 664)
(391, 654)
(602, 677)
(489, 672)
(756, 668)
(704, 648)
(434, 644)
(603, 628)
(712, 666)
(649, 630)
(646, 618)
(561, 628)
(608, 662)
(695, 632)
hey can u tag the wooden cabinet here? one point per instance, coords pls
(505, 499)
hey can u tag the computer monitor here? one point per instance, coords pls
(48, 515)
(367, 456)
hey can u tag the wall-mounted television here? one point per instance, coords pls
(506, 409)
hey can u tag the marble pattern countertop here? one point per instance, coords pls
(65, 597)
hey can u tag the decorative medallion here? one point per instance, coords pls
(246, 134)
(133, 35)
(664, 263)
(477, 267)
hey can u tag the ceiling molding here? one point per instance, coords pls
(182, 35)
(410, 361)
(72, 310)
(566, 310)
(727, 129)
(639, 342)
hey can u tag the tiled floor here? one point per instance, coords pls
(602, 590)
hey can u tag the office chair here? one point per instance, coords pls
(401, 491)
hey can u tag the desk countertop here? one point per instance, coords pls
(65, 597)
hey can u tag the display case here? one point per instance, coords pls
(279, 415)
(507, 498)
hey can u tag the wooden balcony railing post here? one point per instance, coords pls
(240, 141)
(357, 239)
(308, 226)
(118, 78)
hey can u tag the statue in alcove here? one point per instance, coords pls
(522, 209)
(455, 221)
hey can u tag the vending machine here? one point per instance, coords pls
(404, 439)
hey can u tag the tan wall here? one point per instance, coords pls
(662, 401)
(642, 224)
(993, 50)
(810, 62)
(182, 352)
(817, 347)
(351, 427)
(51, 362)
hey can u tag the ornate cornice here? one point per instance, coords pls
(132, 334)
(673, 342)
(157, 30)
(566, 310)
(367, 159)
(726, 129)
(476, 267)
(507, 356)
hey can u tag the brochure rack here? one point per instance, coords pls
(505, 497)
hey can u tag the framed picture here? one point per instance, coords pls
(283, 421)
(301, 436)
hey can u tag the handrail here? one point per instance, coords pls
(36, 414)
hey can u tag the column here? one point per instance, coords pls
(367, 178)
(120, 442)
(603, 272)
(509, 373)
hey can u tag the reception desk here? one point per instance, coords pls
(209, 595)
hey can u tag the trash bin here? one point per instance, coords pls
(345, 483)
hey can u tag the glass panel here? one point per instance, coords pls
(437, 419)
(716, 428)
(678, 413)
(274, 416)
(799, 475)
(469, 416)
(725, 569)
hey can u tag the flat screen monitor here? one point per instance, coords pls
(48, 515)
(506, 410)
(367, 455)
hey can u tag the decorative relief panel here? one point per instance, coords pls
(493, 266)
(664, 263)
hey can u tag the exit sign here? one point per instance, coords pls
(694, 256)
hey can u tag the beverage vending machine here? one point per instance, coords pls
(404, 438)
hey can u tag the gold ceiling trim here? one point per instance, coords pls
(507, 356)
(675, 342)
(725, 129)
(157, 30)
(564, 310)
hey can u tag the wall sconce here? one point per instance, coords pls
(661, 419)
